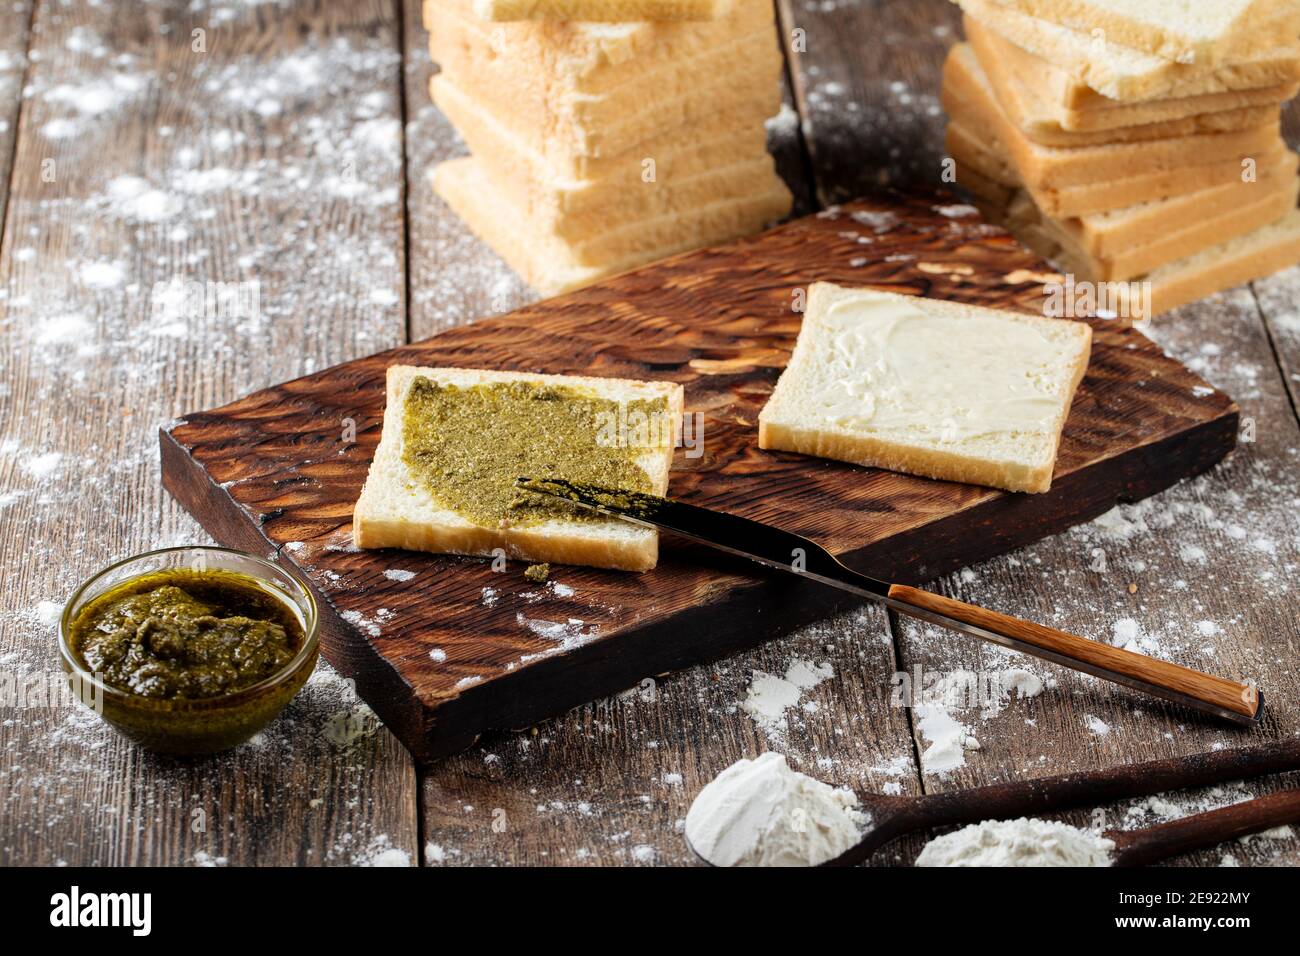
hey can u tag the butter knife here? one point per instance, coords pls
(771, 546)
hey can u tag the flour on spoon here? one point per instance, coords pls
(761, 813)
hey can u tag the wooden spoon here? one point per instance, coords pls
(1151, 844)
(892, 817)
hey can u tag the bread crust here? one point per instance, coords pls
(552, 266)
(967, 92)
(1120, 73)
(1108, 195)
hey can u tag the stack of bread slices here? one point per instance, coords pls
(1136, 145)
(600, 141)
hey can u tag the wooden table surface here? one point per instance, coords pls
(150, 149)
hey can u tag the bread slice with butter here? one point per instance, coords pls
(927, 387)
(476, 460)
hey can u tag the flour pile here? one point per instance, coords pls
(1020, 842)
(762, 813)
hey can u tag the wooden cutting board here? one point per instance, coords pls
(444, 648)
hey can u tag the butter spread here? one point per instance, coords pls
(467, 445)
(896, 370)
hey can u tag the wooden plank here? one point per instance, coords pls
(1202, 575)
(270, 158)
(15, 19)
(1278, 298)
(610, 782)
(718, 322)
(454, 277)
(866, 80)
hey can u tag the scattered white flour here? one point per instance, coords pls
(762, 813)
(381, 852)
(1128, 634)
(643, 853)
(102, 275)
(372, 626)
(1096, 725)
(568, 634)
(42, 466)
(133, 198)
(1023, 842)
(770, 696)
(437, 655)
(49, 612)
(397, 574)
(949, 739)
(67, 329)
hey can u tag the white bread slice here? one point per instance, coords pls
(603, 11)
(927, 387)
(1205, 32)
(584, 57)
(395, 510)
(1267, 205)
(1111, 233)
(1126, 243)
(1101, 68)
(551, 265)
(1017, 72)
(1041, 120)
(1243, 259)
(689, 170)
(736, 82)
(968, 94)
(985, 160)
(992, 192)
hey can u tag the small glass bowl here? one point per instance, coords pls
(207, 724)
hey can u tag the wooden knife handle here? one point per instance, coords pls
(1092, 656)
(1152, 844)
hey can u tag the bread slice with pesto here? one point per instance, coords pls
(928, 387)
(454, 440)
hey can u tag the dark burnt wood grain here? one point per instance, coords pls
(275, 471)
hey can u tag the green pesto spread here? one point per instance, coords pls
(467, 445)
(184, 634)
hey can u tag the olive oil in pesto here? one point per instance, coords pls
(467, 445)
(184, 634)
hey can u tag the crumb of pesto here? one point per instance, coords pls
(538, 573)
(467, 445)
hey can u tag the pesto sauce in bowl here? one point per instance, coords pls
(186, 634)
(467, 445)
(189, 650)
